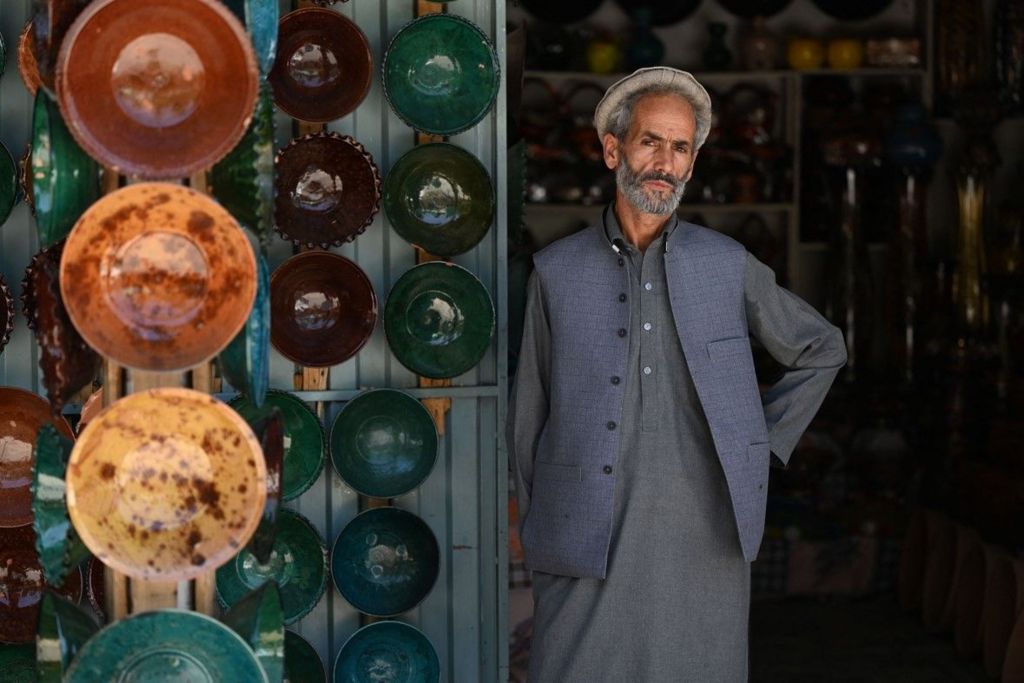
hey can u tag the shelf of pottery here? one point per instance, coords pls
(157, 177)
(770, 68)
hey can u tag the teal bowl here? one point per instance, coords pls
(18, 663)
(439, 320)
(441, 74)
(63, 630)
(259, 618)
(383, 443)
(165, 645)
(302, 664)
(389, 651)
(298, 563)
(439, 197)
(9, 173)
(245, 361)
(305, 444)
(385, 561)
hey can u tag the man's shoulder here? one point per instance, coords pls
(570, 247)
(698, 236)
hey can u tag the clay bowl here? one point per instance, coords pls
(439, 197)
(6, 313)
(158, 277)
(328, 190)
(385, 561)
(142, 84)
(441, 74)
(22, 413)
(166, 484)
(323, 67)
(51, 21)
(27, 65)
(22, 585)
(387, 645)
(323, 309)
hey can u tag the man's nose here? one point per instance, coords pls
(663, 159)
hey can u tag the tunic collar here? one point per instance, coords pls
(613, 231)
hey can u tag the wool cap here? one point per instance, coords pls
(662, 76)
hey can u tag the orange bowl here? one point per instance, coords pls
(166, 484)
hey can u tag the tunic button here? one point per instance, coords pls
(622, 297)
(647, 326)
(622, 331)
(615, 380)
(611, 426)
(607, 469)
(647, 370)
(648, 286)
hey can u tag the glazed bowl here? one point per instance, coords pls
(298, 564)
(166, 644)
(142, 84)
(385, 561)
(9, 173)
(260, 18)
(439, 320)
(323, 309)
(6, 313)
(158, 277)
(323, 67)
(439, 198)
(63, 630)
(22, 413)
(28, 68)
(302, 664)
(51, 20)
(383, 443)
(269, 430)
(304, 443)
(22, 585)
(18, 662)
(57, 543)
(328, 190)
(166, 484)
(259, 619)
(392, 646)
(245, 361)
(441, 74)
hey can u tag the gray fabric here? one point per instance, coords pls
(673, 605)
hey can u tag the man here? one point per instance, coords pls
(638, 436)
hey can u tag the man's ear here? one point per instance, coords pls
(610, 143)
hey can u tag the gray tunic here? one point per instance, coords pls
(674, 604)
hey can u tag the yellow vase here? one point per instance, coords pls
(845, 53)
(805, 53)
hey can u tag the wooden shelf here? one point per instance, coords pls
(730, 76)
(686, 209)
(820, 247)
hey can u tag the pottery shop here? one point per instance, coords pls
(283, 396)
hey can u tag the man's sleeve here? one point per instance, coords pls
(528, 404)
(811, 349)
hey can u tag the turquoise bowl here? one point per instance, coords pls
(298, 564)
(387, 651)
(260, 18)
(259, 619)
(8, 183)
(302, 664)
(439, 197)
(166, 645)
(304, 439)
(59, 547)
(63, 630)
(383, 443)
(441, 74)
(245, 361)
(18, 663)
(439, 320)
(385, 561)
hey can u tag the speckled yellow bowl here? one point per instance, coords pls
(166, 484)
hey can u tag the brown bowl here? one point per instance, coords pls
(158, 277)
(323, 309)
(27, 65)
(157, 89)
(50, 23)
(328, 190)
(6, 313)
(22, 413)
(323, 67)
(22, 585)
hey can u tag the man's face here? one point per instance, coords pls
(656, 158)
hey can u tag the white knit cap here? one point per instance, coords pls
(663, 76)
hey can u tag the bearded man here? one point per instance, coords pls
(639, 439)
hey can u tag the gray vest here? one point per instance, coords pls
(568, 527)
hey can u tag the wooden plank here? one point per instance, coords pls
(143, 381)
(150, 595)
(204, 592)
(115, 586)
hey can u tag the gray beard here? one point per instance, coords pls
(631, 184)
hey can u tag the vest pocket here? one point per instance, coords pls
(724, 348)
(554, 472)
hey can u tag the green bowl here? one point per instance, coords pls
(259, 619)
(387, 651)
(245, 361)
(385, 561)
(18, 663)
(303, 438)
(8, 183)
(383, 443)
(63, 630)
(166, 645)
(65, 180)
(439, 197)
(59, 547)
(302, 664)
(270, 432)
(298, 564)
(441, 74)
(439, 320)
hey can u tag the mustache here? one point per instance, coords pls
(663, 177)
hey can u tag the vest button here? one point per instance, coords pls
(615, 380)
(622, 297)
(622, 331)
(622, 262)
(607, 469)
(611, 426)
